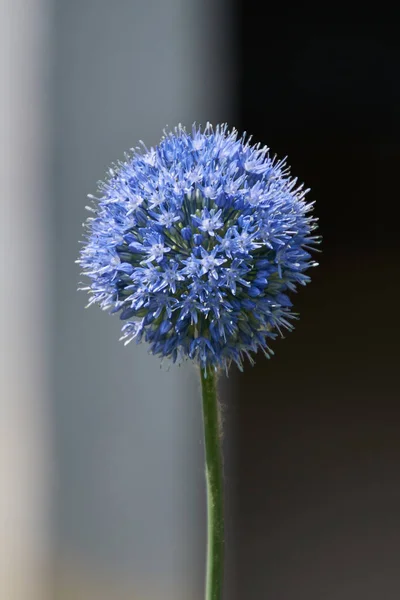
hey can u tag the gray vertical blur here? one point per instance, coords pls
(25, 301)
(130, 485)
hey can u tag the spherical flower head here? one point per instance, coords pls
(197, 243)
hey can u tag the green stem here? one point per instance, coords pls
(214, 477)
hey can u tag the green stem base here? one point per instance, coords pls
(214, 478)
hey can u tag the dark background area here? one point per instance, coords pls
(318, 451)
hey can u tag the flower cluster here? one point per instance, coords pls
(196, 243)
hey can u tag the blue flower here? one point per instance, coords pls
(197, 243)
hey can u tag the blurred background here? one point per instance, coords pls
(101, 458)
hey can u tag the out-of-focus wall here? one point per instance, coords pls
(25, 301)
(130, 504)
